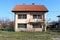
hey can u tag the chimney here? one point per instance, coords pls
(33, 4)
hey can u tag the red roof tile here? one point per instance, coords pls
(29, 8)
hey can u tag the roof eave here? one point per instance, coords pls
(58, 16)
(29, 11)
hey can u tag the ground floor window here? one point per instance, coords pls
(36, 25)
(22, 25)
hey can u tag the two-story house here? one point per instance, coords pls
(30, 17)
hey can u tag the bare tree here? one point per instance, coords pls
(7, 24)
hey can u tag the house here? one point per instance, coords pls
(54, 25)
(58, 21)
(30, 17)
(58, 17)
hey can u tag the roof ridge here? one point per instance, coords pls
(28, 5)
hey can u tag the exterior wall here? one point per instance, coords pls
(29, 18)
(44, 22)
(59, 22)
(58, 18)
(30, 28)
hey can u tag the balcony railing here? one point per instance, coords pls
(35, 20)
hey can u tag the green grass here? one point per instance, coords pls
(25, 39)
(44, 35)
(29, 33)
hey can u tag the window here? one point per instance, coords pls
(37, 26)
(22, 16)
(37, 16)
(22, 25)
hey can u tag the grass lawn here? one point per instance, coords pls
(25, 39)
(44, 35)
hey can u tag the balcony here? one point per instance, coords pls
(35, 20)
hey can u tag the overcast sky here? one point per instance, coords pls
(53, 6)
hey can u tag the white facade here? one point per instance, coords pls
(29, 21)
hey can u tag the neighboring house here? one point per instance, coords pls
(58, 18)
(30, 17)
(58, 21)
(54, 24)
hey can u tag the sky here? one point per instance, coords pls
(53, 7)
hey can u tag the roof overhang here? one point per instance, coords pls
(29, 11)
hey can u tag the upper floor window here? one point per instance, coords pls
(37, 16)
(22, 16)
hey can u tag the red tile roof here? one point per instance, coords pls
(29, 8)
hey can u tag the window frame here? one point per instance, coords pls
(37, 16)
(37, 25)
(23, 25)
(22, 16)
